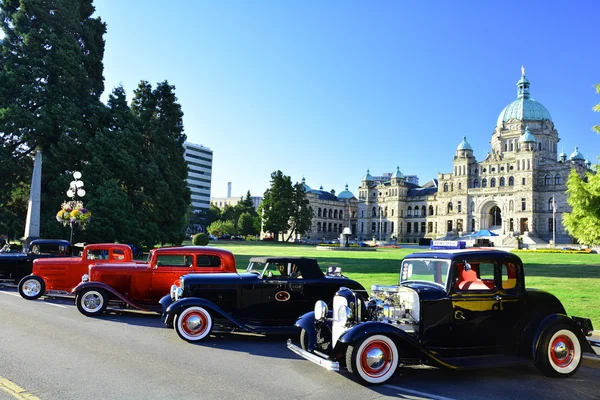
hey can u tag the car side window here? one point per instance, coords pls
(509, 276)
(295, 272)
(277, 271)
(208, 261)
(118, 254)
(475, 275)
(98, 254)
(174, 260)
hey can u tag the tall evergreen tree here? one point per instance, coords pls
(50, 86)
(277, 205)
(302, 212)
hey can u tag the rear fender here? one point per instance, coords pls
(179, 305)
(552, 320)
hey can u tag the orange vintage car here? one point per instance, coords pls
(140, 286)
(58, 275)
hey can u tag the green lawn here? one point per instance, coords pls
(573, 278)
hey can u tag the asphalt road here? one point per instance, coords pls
(48, 350)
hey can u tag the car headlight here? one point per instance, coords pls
(344, 315)
(178, 293)
(321, 310)
(85, 278)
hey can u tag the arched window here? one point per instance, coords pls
(319, 212)
(446, 187)
(324, 213)
(475, 183)
(385, 212)
(511, 181)
(341, 214)
(409, 211)
(550, 208)
(493, 182)
(547, 180)
(459, 185)
(557, 179)
(502, 181)
(335, 214)
(430, 210)
(330, 213)
(423, 211)
(449, 208)
(416, 211)
(484, 182)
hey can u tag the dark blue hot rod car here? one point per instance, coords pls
(454, 309)
(266, 299)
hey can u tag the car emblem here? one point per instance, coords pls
(282, 296)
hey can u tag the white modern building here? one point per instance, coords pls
(199, 161)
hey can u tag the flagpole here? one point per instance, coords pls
(553, 222)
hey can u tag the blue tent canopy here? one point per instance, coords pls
(484, 232)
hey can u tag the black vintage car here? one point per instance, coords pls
(15, 266)
(454, 309)
(266, 299)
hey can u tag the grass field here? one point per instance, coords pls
(573, 278)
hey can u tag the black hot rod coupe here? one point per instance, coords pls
(456, 309)
(266, 299)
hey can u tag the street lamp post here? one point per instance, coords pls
(75, 190)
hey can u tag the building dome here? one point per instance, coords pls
(464, 145)
(524, 107)
(307, 188)
(367, 177)
(576, 155)
(527, 136)
(398, 174)
(346, 194)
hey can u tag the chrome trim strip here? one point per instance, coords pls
(330, 365)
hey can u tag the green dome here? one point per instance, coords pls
(367, 177)
(576, 155)
(464, 145)
(524, 108)
(346, 194)
(527, 136)
(398, 174)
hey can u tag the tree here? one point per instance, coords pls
(302, 212)
(583, 222)
(246, 205)
(50, 86)
(277, 204)
(246, 225)
(219, 228)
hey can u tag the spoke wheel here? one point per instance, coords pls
(559, 353)
(193, 324)
(32, 287)
(373, 360)
(92, 302)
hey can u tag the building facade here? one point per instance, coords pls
(519, 189)
(199, 161)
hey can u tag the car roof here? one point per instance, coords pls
(458, 253)
(59, 242)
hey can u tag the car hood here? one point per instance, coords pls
(221, 278)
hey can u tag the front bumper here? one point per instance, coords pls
(327, 364)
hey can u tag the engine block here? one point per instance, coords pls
(394, 305)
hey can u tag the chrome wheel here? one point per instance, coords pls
(32, 287)
(193, 324)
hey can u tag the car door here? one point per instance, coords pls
(167, 269)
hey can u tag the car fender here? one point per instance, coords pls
(552, 320)
(104, 286)
(307, 322)
(177, 306)
(404, 341)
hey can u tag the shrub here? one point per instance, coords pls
(200, 239)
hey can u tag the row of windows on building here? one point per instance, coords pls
(329, 227)
(522, 165)
(331, 213)
(429, 211)
(548, 180)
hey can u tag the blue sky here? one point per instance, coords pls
(327, 90)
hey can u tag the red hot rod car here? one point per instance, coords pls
(140, 286)
(59, 275)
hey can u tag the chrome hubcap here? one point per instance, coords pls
(375, 358)
(193, 323)
(31, 288)
(561, 350)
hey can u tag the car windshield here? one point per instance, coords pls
(271, 269)
(425, 270)
(256, 267)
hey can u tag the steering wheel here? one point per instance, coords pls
(254, 271)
